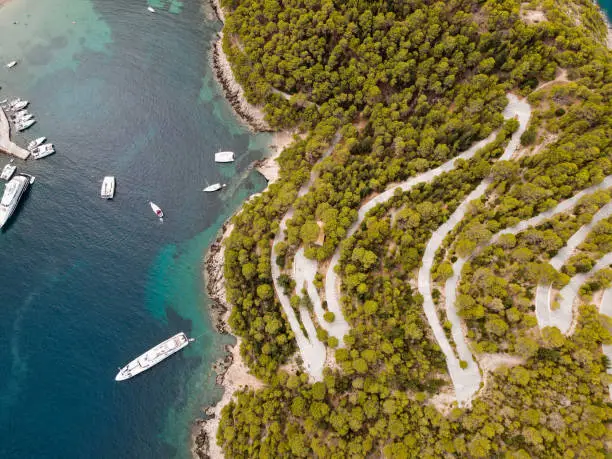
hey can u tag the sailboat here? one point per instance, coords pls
(157, 210)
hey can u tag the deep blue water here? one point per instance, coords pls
(606, 5)
(86, 284)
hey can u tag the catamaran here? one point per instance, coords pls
(157, 210)
(224, 157)
(153, 356)
(108, 187)
(43, 151)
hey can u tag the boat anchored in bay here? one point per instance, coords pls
(153, 356)
(108, 187)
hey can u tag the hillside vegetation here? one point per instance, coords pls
(409, 85)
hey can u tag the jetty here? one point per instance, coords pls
(5, 139)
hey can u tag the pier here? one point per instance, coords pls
(5, 139)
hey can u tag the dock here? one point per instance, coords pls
(6, 145)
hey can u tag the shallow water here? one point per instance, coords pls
(89, 284)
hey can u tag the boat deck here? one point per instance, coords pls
(5, 139)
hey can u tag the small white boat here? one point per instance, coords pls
(8, 171)
(22, 118)
(3, 101)
(20, 105)
(157, 210)
(153, 356)
(214, 187)
(36, 142)
(108, 187)
(43, 151)
(19, 114)
(224, 157)
(151, 9)
(11, 64)
(22, 126)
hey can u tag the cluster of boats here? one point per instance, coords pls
(20, 117)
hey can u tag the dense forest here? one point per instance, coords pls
(408, 86)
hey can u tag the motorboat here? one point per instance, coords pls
(20, 105)
(214, 187)
(36, 142)
(19, 114)
(43, 151)
(22, 126)
(151, 9)
(26, 117)
(11, 64)
(108, 187)
(13, 192)
(153, 356)
(8, 171)
(156, 209)
(224, 157)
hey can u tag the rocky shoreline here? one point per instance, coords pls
(232, 373)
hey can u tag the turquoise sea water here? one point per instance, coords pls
(88, 284)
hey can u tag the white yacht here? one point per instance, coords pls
(19, 105)
(108, 187)
(8, 171)
(43, 151)
(214, 187)
(24, 117)
(153, 356)
(224, 157)
(11, 64)
(36, 143)
(23, 125)
(151, 9)
(14, 190)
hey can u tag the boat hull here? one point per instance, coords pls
(153, 356)
(108, 188)
(6, 211)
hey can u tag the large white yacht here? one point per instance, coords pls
(108, 187)
(13, 192)
(153, 356)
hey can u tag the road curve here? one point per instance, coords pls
(606, 308)
(563, 316)
(310, 347)
(465, 380)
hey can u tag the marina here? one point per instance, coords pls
(5, 139)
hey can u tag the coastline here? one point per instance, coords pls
(232, 372)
